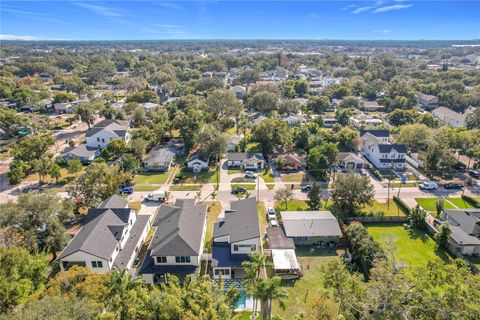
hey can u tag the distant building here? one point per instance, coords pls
(248, 161)
(372, 106)
(81, 152)
(383, 154)
(104, 131)
(427, 102)
(450, 117)
(197, 162)
(239, 91)
(159, 159)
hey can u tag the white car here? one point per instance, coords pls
(251, 175)
(271, 214)
(428, 185)
(273, 223)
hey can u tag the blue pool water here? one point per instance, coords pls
(242, 301)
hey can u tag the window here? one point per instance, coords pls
(161, 259)
(98, 139)
(97, 264)
(252, 247)
(182, 259)
(103, 140)
(222, 272)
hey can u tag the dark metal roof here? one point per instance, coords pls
(386, 148)
(278, 240)
(376, 133)
(221, 256)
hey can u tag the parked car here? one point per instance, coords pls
(271, 214)
(157, 195)
(238, 190)
(428, 185)
(474, 174)
(460, 166)
(453, 185)
(363, 172)
(127, 190)
(273, 223)
(251, 175)
(306, 188)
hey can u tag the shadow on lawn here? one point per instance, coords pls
(416, 234)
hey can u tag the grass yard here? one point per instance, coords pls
(394, 210)
(262, 216)
(304, 293)
(248, 186)
(187, 176)
(459, 202)
(186, 187)
(403, 185)
(235, 171)
(254, 147)
(267, 176)
(243, 180)
(244, 315)
(414, 247)
(152, 177)
(65, 177)
(270, 186)
(292, 205)
(214, 210)
(429, 204)
(293, 177)
(145, 188)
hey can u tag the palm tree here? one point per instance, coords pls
(252, 270)
(267, 290)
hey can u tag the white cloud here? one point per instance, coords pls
(101, 10)
(383, 31)
(361, 9)
(18, 37)
(166, 30)
(392, 8)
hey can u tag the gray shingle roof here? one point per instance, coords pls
(114, 201)
(242, 156)
(81, 151)
(99, 236)
(160, 155)
(240, 222)
(128, 249)
(386, 148)
(179, 229)
(310, 224)
(120, 127)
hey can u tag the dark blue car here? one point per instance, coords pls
(128, 190)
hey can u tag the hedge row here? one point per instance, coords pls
(402, 205)
(472, 201)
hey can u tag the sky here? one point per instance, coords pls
(259, 19)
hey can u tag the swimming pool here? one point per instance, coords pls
(242, 301)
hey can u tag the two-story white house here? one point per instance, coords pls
(110, 238)
(384, 155)
(104, 131)
(177, 245)
(235, 236)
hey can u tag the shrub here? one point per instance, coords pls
(402, 205)
(472, 201)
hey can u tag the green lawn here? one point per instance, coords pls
(270, 186)
(292, 177)
(243, 180)
(304, 293)
(152, 178)
(293, 205)
(214, 210)
(414, 247)
(262, 216)
(186, 187)
(235, 171)
(187, 176)
(145, 188)
(248, 186)
(135, 205)
(254, 147)
(267, 176)
(429, 204)
(459, 202)
(392, 210)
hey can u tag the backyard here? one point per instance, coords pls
(412, 246)
(388, 210)
(292, 177)
(303, 294)
(292, 205)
